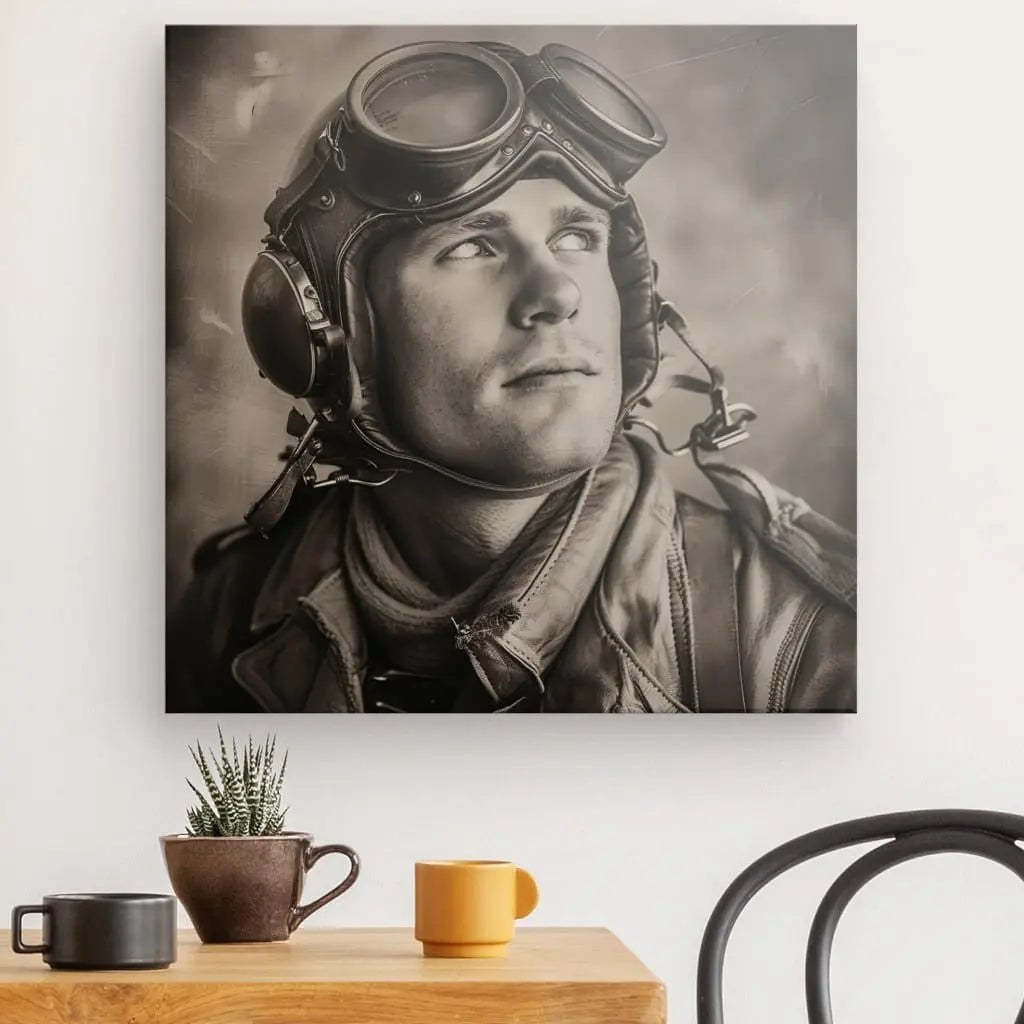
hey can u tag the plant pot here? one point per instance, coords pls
(247, 888)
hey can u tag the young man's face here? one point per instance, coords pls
(498, 336)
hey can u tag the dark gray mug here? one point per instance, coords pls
(102, 930)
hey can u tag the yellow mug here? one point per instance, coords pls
(469, 908)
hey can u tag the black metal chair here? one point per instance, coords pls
(989, 834)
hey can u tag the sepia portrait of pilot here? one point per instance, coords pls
(450, 317)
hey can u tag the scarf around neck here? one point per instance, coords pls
(408, 625)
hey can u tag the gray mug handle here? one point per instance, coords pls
(313, 854)
(17, 914)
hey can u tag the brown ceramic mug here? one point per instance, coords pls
(247, 888)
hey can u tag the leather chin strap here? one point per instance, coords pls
(301, 459)
(723, 428)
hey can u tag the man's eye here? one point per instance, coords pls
(577, 240)
(469, 250)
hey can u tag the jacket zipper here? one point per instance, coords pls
(790, 655)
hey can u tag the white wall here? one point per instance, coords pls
(631, 823)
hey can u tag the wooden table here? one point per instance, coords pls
(347, 976)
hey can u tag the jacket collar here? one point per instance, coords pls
(511, 642)
(545, 590)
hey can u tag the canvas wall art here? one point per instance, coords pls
(511, 369)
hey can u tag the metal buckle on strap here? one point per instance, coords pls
(726, 424)
(331, 135)
(300, 466)
(367, 474)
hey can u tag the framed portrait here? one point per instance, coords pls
(511, 369)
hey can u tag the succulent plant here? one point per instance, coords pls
(247, 800)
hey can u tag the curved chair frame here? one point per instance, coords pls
(990, 834)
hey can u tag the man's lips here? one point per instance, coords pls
(559, 366)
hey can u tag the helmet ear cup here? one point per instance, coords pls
(288, 333)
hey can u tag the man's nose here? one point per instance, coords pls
(546, 294)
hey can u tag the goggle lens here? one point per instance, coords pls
(435, 101)
(599, 93)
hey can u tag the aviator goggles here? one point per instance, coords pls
(442, 125)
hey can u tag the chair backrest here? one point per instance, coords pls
(989, 834)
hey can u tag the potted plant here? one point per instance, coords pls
(237, 872)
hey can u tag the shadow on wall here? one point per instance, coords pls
(751, 215)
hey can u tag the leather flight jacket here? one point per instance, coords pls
(639, 599)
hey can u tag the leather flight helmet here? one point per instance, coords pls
(424, 133)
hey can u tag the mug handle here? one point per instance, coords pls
(527, 893)
(17, 914)
(311, 856)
